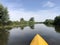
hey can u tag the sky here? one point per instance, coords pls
(39, 9)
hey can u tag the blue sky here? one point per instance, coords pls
(39, 9)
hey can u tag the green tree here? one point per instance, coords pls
(22, 21)
(57, 20)
(4, 17)
(31, 19)
(9, 22)
(48, 21)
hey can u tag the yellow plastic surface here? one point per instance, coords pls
(38, 40)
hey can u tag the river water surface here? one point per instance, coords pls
(23, 36)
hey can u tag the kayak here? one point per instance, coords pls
(38, 40)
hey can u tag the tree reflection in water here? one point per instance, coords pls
(23, 26)
(57, 29)
(4, 34)
(31, 26)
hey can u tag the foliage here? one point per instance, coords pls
(57, 20)
(9, 22)
(4, 17)
(22, 21)
(31, 19)
(48, 21)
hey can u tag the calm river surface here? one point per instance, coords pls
(23, 36)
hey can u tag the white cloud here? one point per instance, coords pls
(40, 15)
(49, 4)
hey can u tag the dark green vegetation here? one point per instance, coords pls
(4, 17)
(24, 23)
(53, 23)
(49, 21)
(56, 21)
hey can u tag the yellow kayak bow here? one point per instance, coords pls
(38, 40)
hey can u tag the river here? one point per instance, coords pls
(24, 35)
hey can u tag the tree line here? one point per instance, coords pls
(56, 21)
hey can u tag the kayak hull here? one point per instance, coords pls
(38, 40)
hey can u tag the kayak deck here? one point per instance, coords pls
(38, 40)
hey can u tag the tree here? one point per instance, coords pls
(48, 21)
(57, 20)
(4, 17)
(31, 19)
(22, 21)
(9, 22)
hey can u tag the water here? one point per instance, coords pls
(23, 36)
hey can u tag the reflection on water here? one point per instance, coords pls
(49, 25)
(57, 29)
(23, 26)
(4, 34)
(25, 33)
(32, 26)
